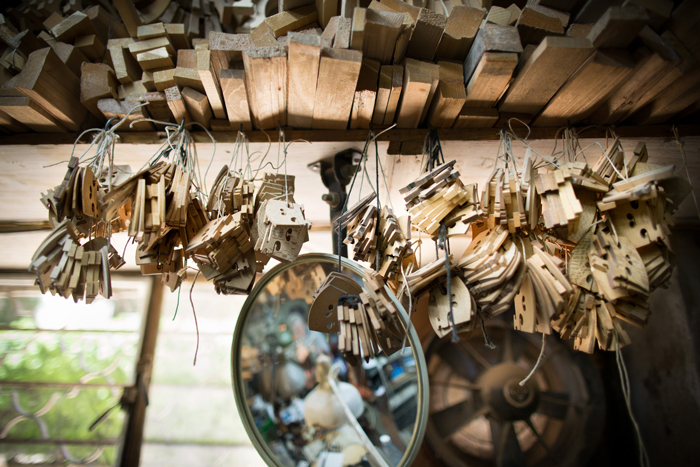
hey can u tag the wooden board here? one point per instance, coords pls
(533, 26)
(236, 99)
(72, 57)
(266, 85)
(426, 35)
(303, 63)
(91, 46)
(381, 30)
(450, 97)
(395, 96)
(130, 16)
(383, 93)
(97, 81)
(490, 79)
(211, 83)
(155, 60)
(126, 68)
(547, 69)
(460, 30)
(177, 35)
(227, 48)
(76, 25)
(618, 27)
(50, 83)
(480, 117)
(591, 85)
(197, 106)
(417, 83)
(326, 10)
(177, 105)
(491, 38)
(29, 113)
(164, 79)
(365, 94)
(657, 66)
(338, 73)
(286, 21)
(136, 48)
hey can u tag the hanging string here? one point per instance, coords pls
(196, 324)
(487, 340)
(444, 244)
(177, 305)
(680, 145)
(537, 363)
(624, 380)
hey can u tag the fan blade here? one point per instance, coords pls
(450, 420)
(460, 363)
(554, 404)
(505, 444)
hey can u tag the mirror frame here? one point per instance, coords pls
(238, 385)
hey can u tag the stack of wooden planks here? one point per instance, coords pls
(65, 68)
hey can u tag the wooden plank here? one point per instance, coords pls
(682, 93)
(10, 125)
(338, 74)
(591, 85)
(426, 35)
(136, 48)
(403, 7)
(186, 58)
(97, 81)
(450, 97)
(303, 62)
(561, 5)
(130, 16)
(150, 31)
(395, 96)
(126, 68)
(155, 60)
(29, 113)
(659, 11)
(342, 34)
(164, 79)
(263, 37)
(578, 30)
(657, 65)
(533, 26)
(157, 106)
(50, 83)
(547, 69)
(227, 48)
(358, 28)
(383, 93)
(54, 19)
(490, 79)
(684, 23)
(479, 117)
(112, 108)
(210, 83)
(365, 94)
(417, 83)
(434, 71)
(177, 105)
(381, 30)
(326, 10)
(76, 25)
(177, 35)
(197, 106)
(460, 30)
(285, 21)
(71, 56)
(90, 46)
(592, 10)
(491, 38)
(236, 99)
(266, 84)
(618, 27)
(184, 77)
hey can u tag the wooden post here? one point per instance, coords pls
(210, 83)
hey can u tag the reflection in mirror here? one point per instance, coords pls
(283, 373)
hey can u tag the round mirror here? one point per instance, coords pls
(280, 370)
